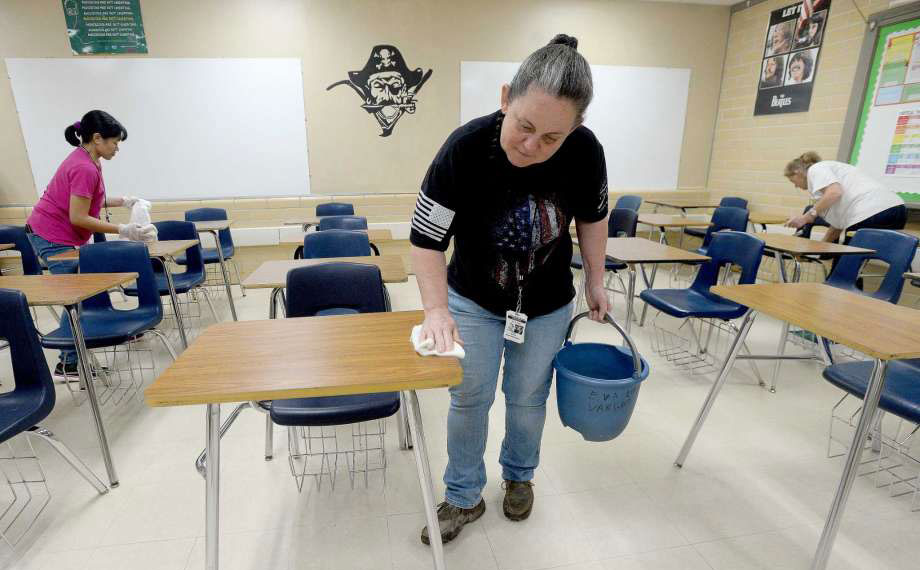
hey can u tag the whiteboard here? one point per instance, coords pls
(197, 128)
(638, 114)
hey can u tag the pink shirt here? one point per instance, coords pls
(78, 175)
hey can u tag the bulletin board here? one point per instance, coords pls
(882, 135)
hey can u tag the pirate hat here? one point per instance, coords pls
(386, 58)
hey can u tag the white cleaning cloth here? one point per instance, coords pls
(426, 347)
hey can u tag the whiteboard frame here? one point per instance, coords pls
(876, 22)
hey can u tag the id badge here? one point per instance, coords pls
(515, 323)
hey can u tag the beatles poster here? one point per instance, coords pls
(790, 57)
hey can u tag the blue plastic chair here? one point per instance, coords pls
(724, 218)
(621, 223)
(900, 394)
(335, 209)
(33, 395)
(336, 243)
(334, 288)
(342, 223)
(894, 248)
(628, 202)
(225, 240)
(17, 236)
(726, 249)
(104, 325)
(727, 201)
(194, 275)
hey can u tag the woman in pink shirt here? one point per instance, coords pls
(67, 214)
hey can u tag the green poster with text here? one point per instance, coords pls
(105, 26)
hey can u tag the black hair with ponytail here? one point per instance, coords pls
(94, 122)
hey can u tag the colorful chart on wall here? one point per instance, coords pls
(887, 143)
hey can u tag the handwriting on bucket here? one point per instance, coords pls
(607, 401)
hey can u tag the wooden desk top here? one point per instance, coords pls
(156, 248)
(763, 218)
(273, 274)
(874, 327)
(303, 357)
(312, 220)
(372, 235)
(64, 289)
(683, 202)
(802, 246)
(669, 221)
(215, 225)
(6, 246)
(641, 250)
(912, 276)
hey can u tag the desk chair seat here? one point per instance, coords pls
(104, 327)
(686, 303)
(342, 223)
(730, 201)
(209, 255)
(895, 248)
(901, 394)
(334, 410)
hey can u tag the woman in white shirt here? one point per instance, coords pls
(847, 198)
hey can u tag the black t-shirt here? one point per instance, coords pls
(506, 221)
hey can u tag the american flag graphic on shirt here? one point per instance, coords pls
(431, 219)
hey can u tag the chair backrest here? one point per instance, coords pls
(30, 369)
(629, 202)
(894, 248)
(805, 231)
(17, 236)
(174, 229)
(726, 218)
(335, 209)
(622, 223)
(122, 257)
(334, 285)
(733, 202)
(212, 215)
(336, 243)
(342, 223)
(730, 248)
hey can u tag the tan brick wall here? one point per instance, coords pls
(749, 152)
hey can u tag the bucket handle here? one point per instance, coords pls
(637, 363)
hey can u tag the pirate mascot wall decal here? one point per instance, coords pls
(387, 86)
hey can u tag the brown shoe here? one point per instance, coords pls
(518, 499)
(452, 519)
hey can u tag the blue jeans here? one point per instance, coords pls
(45, 249)
(526, 383)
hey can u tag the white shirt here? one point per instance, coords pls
(862, 197)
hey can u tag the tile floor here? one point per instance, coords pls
(753, 493)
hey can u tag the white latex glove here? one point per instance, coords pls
(136, 232)
(129, 201)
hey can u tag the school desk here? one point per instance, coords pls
(683, 204)
(881, 330)
(763, 219)
(69, 291)
(665, 221)
(242, 361)
(6, 246)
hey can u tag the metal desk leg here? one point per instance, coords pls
(212, 488)
(648, 285)
(424, 479)
(175, 301)
(402, 424)
(86, 376)
(630, 295)
(223, 270)
(832, 524)
(780, 351)
(716, 386)
(780, 267)
(273, 303)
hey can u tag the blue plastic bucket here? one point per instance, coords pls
(597, 386)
